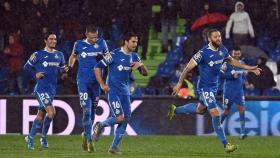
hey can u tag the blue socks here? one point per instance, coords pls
(186, 109)
(109, 122)
(219, 130)
(242, 123)
(92, 115)
(46, 125)
(35, 126)
(87, 123)
(120, 131)
(93, 109)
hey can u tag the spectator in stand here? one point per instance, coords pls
(31, 26)
(169, 12)
(10, 21)
(241, 26)
(14, 52)
(138, 19)
(49, 10)
(263, 81)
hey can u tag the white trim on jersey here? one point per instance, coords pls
(194, 61)
(29, 63)
(103, 63)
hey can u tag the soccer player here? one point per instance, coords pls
(209, 61)
(47, 64)
(233, 90)
(120, 63)
(88, 52)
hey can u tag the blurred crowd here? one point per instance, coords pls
(24, 22)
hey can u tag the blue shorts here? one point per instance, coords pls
(233, 98)
(44, 98)
(89, 93)
(207, 97)
(119, 104)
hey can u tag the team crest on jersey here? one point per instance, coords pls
(96, 45)
(220, 53)
(56, 56)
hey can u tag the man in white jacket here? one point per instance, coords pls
(242, 25)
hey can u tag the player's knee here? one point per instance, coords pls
(241, 109)
(120, 118)
(214, 112)
(40, 117)
(226, 112)
(51, 114)
(201, 111)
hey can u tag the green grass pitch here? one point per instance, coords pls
(14, 146)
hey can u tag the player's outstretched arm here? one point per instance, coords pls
(192, 64)
(236, 63)
(143, 70)
(140, 67)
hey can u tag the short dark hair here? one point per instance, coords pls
(210, 31)
(91, 28)
(46, 35)
(127, 36)
(236, 48)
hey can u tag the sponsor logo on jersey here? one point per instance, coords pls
(121, 68)
(84, 54)
(46, 64)
(211, 63)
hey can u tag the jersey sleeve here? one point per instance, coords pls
(29, 65)
(226, 72)
(105, 47)
(75, 48)
(62, 63)
(33, 59)
(226, 53)
(135, 57)
(197, 57)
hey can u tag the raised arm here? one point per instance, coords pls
(236, 63)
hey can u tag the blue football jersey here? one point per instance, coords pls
(231, 84)
(87, 56)
(119, 70)
(209, 64)
(51, 64)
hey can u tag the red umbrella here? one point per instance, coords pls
(212, 18)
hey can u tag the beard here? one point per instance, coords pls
(216, 44)
(237, 58)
